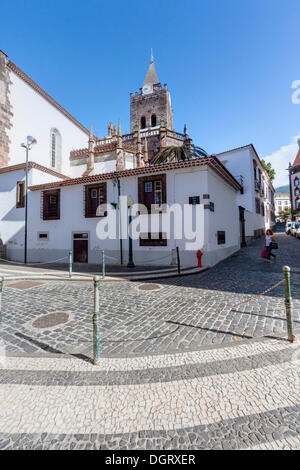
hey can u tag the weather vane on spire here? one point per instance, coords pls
(151, 58)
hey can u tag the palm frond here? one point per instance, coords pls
(173, 153)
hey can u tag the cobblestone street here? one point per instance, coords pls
(193, 362)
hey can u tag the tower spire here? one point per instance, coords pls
(151, 56)
(151, 77)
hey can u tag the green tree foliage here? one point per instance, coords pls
(268, 167)
(285, 214)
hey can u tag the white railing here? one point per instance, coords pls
(175, 135)
(149, 133)
(104, 141)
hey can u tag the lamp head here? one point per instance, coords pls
(31, 140)
(130, 201)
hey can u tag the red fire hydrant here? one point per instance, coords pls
(199, 256)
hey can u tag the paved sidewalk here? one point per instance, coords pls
(238, 397)
(185, 362)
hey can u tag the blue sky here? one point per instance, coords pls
(229, 64)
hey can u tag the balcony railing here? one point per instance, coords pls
(257, 185)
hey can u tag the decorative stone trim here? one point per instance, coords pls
(6, 111)
(37, 166)
(100, 149)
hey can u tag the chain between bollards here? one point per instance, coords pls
(1, 289)
(288, 304)
(96, 321)
(70, 263)
(103, 264)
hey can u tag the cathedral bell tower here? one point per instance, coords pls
(152, 104)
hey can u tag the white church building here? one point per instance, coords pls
(71, 173)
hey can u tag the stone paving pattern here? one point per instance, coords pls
(184, 314)
(181, 367)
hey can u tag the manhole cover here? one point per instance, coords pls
(50, 320)
(149, 287)
(23, 285)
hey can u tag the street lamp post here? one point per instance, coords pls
(116, 181)
(28, 145)
(130, 253)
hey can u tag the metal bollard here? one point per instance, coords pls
(103, 264)
(288, 304)
(70, 264)
(1, 288)
(178, 260)
(96, 321)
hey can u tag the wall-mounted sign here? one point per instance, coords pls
(194, 200)
(80, 235)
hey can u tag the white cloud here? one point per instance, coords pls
(280, 160)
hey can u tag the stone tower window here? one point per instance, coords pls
(143, 122)
(153, 120)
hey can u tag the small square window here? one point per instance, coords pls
(94, 193)
(52, 200)
(20, 194)
(221, 238)
(148, 187)
(43, 236)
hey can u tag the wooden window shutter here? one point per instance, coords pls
(92, 203)
(87, 201)
(51, 211)
(58, 204)
(148, 199)
(45, 205)
(141, 193)
(164, 189)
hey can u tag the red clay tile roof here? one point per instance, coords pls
(45, 95)
(37, 166)
(211, 161)
(297, 159)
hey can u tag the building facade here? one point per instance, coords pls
(294, 178)
(232, 190)
(282, 203)
(257, 202)
(186, 205)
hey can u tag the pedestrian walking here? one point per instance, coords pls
(270, 244)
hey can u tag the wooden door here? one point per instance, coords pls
(80, 251)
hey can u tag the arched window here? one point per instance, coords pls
(153, 120)
(55, 149)
(143, 122)
(296, 181)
